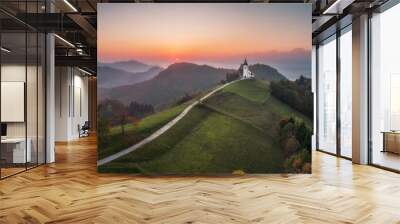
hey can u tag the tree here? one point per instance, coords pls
(232, 76)
(303, 135)
(139, 110)
(103, 130)
(123, 121)
(115, 112)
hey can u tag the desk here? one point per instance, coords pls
(391, 141)
(19, 154)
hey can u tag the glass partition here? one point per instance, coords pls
(22, 77)
(14, 153)
(385, 89)
(327, 95)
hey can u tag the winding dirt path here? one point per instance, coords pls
(160, 131)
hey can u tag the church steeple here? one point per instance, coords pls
(245, 71)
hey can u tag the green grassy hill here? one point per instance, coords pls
(235, 129)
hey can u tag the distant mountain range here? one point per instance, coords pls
(174, 82)
(132, 66)
(109, 77)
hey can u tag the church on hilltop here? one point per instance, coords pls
(242, 73)
(245, 72)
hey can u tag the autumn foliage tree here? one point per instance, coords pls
(295, 139)
(116, 113)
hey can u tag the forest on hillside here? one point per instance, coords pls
(296, 93)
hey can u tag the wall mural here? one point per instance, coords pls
(204, 89)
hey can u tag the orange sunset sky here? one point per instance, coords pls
(216, 34)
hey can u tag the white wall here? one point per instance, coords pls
(62, 82)
(16, 73)
(80, 112)
(71, 94)
(33, 126)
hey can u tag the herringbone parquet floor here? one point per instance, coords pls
(71, 191)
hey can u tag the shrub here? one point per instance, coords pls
(238, 172)
(299, 162)
(291, 145)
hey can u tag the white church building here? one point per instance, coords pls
(245, 72)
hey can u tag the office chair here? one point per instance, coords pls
(84, 130)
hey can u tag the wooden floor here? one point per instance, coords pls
(5, 172)
(387, 159)
(71, 191)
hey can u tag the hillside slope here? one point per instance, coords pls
(235, 129)
(266, 72)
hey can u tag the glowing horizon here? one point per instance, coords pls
(214, 33)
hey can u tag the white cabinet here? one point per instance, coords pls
(19, 155)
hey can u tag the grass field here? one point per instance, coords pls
(235, 129)
(253, 90)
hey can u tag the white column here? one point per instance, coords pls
(360, 90)
(50, 92)
(50, 98)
